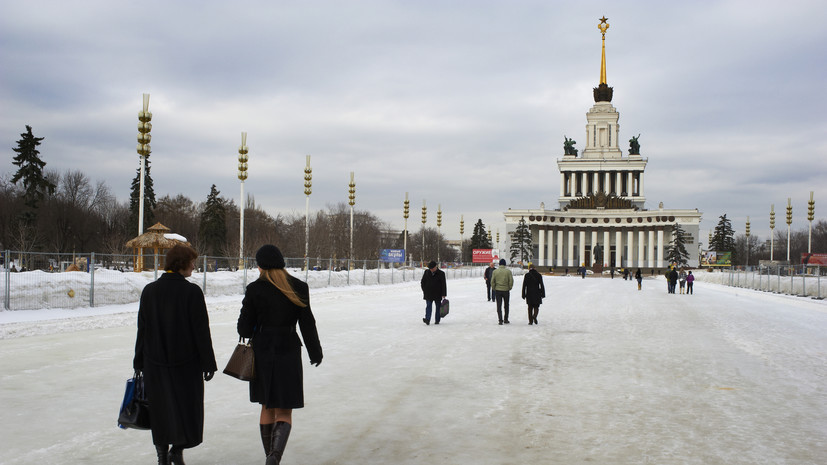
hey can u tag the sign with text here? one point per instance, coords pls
(814, 259)
(713, 258)
(392, 255)
(485, 255)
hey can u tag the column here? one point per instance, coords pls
(660, 247)
(618, 185)
(550, 256)
(630, 255)
(595, 182)
(629, 184)
(581, 248)
(607, 182)
(560, 247)
(650, 248)
(571, 248)
(619, 248)
(562, 184)
(607, 248)
(640, 250)
(640, 184)
(541, 242)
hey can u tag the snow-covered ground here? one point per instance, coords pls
(611, 375)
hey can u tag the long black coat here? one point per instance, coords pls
(270, 318)
(173, 349)
(533, 289)
(433, 285)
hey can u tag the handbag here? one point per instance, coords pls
(443, 308)
(242, 362)
(135, 406)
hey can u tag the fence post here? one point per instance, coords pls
(244, 280)
(155, 266)
(7, 301)
(204, 286)
(364, 272)
(92, 280)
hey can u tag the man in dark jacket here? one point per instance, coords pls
(487, 276)
(533, 292)
(433, 291)
(673, 280)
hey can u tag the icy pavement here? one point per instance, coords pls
(611, 375)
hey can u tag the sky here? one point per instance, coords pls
(461, 104)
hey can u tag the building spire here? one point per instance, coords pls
(603, 26)
(603, 93)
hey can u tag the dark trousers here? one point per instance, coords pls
(532, 314)
(488, 294)
(689, 287)
(502, 297)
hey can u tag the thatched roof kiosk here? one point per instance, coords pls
(158, 239)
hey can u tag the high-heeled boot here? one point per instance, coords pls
(266, 436)
(278, 441)
(176, 455)
(163, 454)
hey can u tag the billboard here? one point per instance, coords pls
(814, 259)
(713, 258)
(392, 255)
(485, 255)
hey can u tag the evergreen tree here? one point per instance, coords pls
(676, 250)
(723, 239)
(213, 227)
(479, 239)
(149, 199)
(521, 242)
(36, 185)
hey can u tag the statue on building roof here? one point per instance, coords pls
(634, 146)
(568, 146)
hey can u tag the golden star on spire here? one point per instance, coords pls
(603, 19)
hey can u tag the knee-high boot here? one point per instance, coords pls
(536, 312)
(278, 441)
(163, 454)
(176, 455)
(266, 436)
(530, 315)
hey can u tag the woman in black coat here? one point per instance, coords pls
(272, 306)
(533, 292)
(174, 351)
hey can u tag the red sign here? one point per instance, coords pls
(814, 259)
(484, 255)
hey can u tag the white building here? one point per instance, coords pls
(602, 203)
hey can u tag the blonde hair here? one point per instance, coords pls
(280, 279)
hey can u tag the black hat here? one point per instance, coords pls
(269, 257)
(431, 264)
(502, 261)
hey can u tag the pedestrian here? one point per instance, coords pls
(612, 272)
(673, 280)
(433, 291)
(533, 292)
(625, 274)
(487, 276)
(690, 280)
(682, 280)
(639, 278)
(272, 306)
(501, 282)
(173, 351)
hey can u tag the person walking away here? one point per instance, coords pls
(433, 291)
(487, 276)
(682, 280)
(272, 306)
(639, 278)
(173, 351)
(501, 282)
(533, 292)
(673, 280)
(690, 280)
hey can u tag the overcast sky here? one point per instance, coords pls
(460, 103)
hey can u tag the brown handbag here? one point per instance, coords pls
(242, 363)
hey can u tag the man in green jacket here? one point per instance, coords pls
(501, 283)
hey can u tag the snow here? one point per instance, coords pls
(611, 375)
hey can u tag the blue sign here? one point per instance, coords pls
(392, 255)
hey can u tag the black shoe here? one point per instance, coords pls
(507, 322)
(426, 321)
(535, 321)
(163, 454)
(436, 322)
(176, 455)
(501, 322)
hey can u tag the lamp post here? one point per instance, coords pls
(811, 211)
(351, 200)
(308, 182)
(789, 222)
(144, 137)
(438, 229)
(772, 231)
(405, 212)
(747, 234)
(424, 219)
(242, 175)
(461, 232)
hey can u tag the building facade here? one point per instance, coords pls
(601, 220)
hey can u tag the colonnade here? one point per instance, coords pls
(619, 183)
(569, 246)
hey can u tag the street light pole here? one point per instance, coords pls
(747, 234)
(811, 211)
(772, 231)
(351, 200)
(308, 182)
(144, 137)
(438, 229)
(405, 212)
(461, 232)
(789, 222)
(424, 218)
(242, 175)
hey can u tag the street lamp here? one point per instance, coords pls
(308, 182)
(461, 232)
(144, 137)
(405, 212)
(747, 233)
(811, 211)
(772, 231)
(351, 200)
(424, 219)
(789, 222)
(242, 175)
(438, 229)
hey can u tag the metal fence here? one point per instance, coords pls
(798, 280)
(38, 280)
